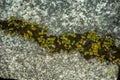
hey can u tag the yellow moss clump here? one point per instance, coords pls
(79, 44)
(89, 44)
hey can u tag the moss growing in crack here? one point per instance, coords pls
(67, 40)
(79, 43)
(108, 42)
(0, 27)
(89, 44)
(93, 36)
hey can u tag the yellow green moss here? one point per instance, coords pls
(89, 44)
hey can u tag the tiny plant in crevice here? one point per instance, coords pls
(89, 44)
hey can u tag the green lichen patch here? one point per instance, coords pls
(89, 44)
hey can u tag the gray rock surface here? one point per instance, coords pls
(25, 60)
(63, 16)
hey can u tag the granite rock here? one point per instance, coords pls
(25, 60)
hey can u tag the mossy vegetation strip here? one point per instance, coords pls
(89, 44)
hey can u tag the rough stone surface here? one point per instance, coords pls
(63, 16)
(22, 59)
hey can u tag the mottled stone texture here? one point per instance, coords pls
(23, 60)
(68, 15)
(80, 15)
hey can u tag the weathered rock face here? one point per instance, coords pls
(68, 15)
(82, 16)
(20, 59)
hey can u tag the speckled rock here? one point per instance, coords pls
(68, 15)
(21, 59)
(25, 60)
